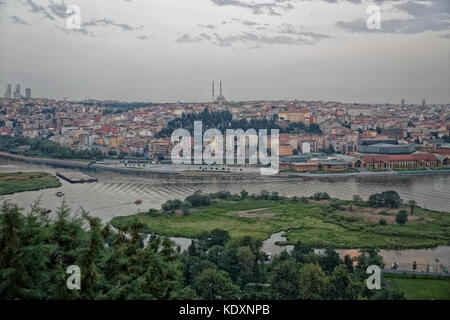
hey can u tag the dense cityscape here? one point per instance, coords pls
(224, 159)
(315, 135)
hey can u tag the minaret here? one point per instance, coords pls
(213, 91)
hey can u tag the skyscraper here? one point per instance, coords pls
(17, 92)
(8, 92)
(212, 91)
(424, 103)
(28, 93)
(403, 102)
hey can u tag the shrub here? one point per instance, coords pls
(401, 217)
(198, 199)
(320, 196)
(264, 195)
(152, 213)
(171, 205)
(382, 222)
(389, 199)
(185, 208)
(274, 196)
(220, 195)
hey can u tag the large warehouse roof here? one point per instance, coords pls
(383, 148)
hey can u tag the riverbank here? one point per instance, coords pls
(214, 171)
(29, 181)
(320, 224)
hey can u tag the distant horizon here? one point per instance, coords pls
(171, 50)
(229, 100)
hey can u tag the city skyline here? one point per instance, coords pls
(8, 94)
(262, 50)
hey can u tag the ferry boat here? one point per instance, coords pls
(138, 201)
(59, 194)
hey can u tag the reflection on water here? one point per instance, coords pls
(270, 246)
(114, 193)
(424, 258)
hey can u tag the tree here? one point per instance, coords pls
(244, 194)
(35, 253)
(300, 251)
(414, 265)
(185, 208)
(218, 237)
(391, 199)
(286, 280)
(382, 222)
(313, 283)
(274, 196)
(342, 285)
(401, 217)
(198, 199)
(376, 200)
(348, 262)
(212, 284)
(412, 204)
(329, 261)
(388, 294)
(247, 261)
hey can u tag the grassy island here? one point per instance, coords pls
(317, 221)
(27, 181)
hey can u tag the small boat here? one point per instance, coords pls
(59, 194)
(138, 201)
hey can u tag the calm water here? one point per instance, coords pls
(114, 195)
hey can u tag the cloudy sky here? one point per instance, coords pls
(170, 50)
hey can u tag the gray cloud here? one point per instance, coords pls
(208, 26)
(188, 38)
(252, 40)
(75, 31)
(58, 9)
(249, 38)
(431, 16)
(246, 22)
(287, 28)
(109, 23)
(17, 20)
(35, 8)
(272, 7)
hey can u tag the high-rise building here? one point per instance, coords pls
(8, 92)
(17, 92)
(403, 102)
(306, 147)
(28, 93)
(424, 103)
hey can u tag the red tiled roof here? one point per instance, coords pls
(399, 157)
(442, 151)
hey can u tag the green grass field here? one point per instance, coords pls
(422, 289)
(317, 223)
(26, 181)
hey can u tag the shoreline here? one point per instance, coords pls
(185, 171)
